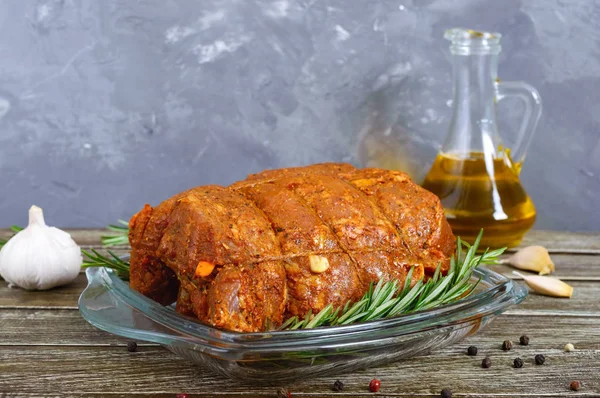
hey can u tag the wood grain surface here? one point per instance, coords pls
(47, 349)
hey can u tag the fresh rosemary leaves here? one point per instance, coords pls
(119, 237)
(95, 259)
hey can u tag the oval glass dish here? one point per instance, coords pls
(272, 357)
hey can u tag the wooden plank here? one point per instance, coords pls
(52, 327)
(112, 370)
(66, 327)
(131, 394)
(564, 242)
(60, 297)
(585, 301)
(249, 394)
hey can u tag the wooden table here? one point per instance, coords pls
(48, 349)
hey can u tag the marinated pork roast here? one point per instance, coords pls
(283, 242)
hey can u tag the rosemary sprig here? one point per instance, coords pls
(95, 259)
(120, 237)
(388, 299)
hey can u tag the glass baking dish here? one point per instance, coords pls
(272, 357)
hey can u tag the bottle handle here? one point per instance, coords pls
(531, 115)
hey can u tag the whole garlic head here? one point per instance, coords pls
(40, 257)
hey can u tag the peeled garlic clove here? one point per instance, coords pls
(318, 264)
(547, 285)
(40, 257)
(532, 258)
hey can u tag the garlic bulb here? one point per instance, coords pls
(40, 257)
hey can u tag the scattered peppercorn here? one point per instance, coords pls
(338, 386)
(181, 395)
(575, 385)
(518, 362)
(472, 351)
(446, 393)
(540, 359)
(507, 345)
(569, 347)
(486, 363)
(131, 346)
(524, 340)
(374, 385)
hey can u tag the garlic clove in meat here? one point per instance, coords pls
(40, 257)
(318, 264)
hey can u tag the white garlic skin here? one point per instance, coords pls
(40, 257)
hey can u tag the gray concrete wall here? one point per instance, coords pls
(106, 105)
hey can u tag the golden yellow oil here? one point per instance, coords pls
(482, 193)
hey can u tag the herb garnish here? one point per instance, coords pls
(112, 261)
(120, 237)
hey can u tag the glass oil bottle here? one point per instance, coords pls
(475, 176)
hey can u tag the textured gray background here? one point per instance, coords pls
(106, 105)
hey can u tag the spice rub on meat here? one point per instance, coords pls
(283, 242)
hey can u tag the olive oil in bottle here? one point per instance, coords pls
(474, 174)
(480, 191)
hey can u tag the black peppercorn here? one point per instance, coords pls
(486, 363)
(575, 385)
(518, 363)
(524, 340)
(131, 346)
(507, 345)
(540, 359)
(338, 386)
(472, 351)
(446, 393)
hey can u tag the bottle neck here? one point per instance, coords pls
(473, 125)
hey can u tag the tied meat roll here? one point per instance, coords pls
(283, 242)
